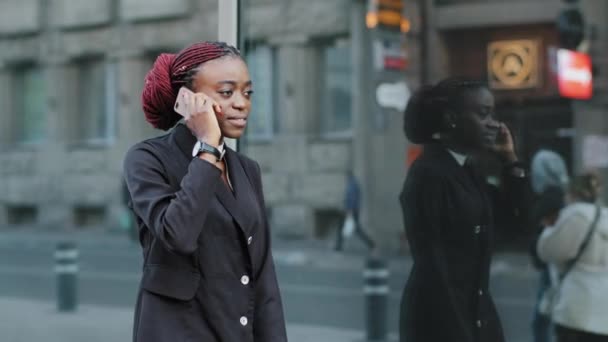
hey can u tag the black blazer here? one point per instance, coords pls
(450, 215)
(208, 272)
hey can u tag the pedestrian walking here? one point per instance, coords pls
(208, 272)
(549, 177)
(450, 212)
(352, 223)
(576, 247)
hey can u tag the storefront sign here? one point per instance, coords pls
(574, 76)
(390, 54)
(513, 64)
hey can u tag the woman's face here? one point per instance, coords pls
(226, 80)
(476, 127)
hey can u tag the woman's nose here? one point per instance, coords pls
(240, 102)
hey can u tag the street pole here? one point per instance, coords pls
(66, 269)
(228, 31)
(361, 109)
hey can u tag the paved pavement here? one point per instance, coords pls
(26, 320)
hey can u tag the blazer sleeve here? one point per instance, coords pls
(174, 217)
(512, 201)
(560, 243)
(424, 206)
(269, 320)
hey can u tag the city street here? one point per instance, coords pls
(320, 288)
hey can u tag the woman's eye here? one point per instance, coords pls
(248, 93)
(226, 93)
(484, 114)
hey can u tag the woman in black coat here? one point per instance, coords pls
(208, 273)
(450, 213)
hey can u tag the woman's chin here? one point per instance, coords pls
(233, 133)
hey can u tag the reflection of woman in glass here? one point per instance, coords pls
(450, 213)
(208, 272)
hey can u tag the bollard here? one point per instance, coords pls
(376, 291)
(66, 268)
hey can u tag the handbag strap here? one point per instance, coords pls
(570, 265)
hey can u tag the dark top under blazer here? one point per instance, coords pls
(208, 272)
(449, 216)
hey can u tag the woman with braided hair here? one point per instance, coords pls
(208, 273)
(450, 212)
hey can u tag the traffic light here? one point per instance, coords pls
(570, 26)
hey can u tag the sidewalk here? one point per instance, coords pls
(26, 320)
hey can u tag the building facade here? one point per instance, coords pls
(72, 74)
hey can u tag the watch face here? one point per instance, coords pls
(196, 149)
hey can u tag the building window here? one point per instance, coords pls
(96, 101)
(337, 89)
(261, 60)
(29, 105)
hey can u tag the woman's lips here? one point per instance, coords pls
(237, 122)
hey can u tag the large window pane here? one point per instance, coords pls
(96, 99)
(30, 105)
(338, 83)
(261, 62)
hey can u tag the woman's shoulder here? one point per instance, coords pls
(149, 149)
(586, 210)
(244, 158)
(427, 167)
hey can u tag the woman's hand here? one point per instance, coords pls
(202, 120)
(504, 146)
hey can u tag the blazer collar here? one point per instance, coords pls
(449, 164)
(184, 139)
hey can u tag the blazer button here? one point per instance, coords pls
(479, 323)
(477, 229)
(243, 321)
(244, 280)
(249, 239)
(481, 292)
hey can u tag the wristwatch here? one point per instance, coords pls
(516, 169)
(203, 147)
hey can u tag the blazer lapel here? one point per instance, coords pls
(238, 203)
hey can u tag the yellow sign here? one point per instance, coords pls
(513, 64)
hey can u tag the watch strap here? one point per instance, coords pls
(206, 148)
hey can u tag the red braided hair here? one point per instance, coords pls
(169, 73)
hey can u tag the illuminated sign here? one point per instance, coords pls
(387, 14)
(574, 77)
(513, 64)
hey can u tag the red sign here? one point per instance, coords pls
(398, 63)
(574, 74)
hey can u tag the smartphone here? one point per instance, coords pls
(181, 103)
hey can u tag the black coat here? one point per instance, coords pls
(450, 215)
(208, 273)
